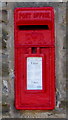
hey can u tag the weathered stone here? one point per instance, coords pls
(5, 97)
(4, 16)
(4, 57)
(5, 104)
(4, 31)
(5, 108)
(5, 70)
(60, 36)
(5, 87)
(4, 5)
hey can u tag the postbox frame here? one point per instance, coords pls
(51, 47)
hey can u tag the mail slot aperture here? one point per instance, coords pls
(33, 27)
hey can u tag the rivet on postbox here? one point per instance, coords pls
(34, 47)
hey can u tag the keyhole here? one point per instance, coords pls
(34, 50)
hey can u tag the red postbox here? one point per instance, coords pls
(34, 58)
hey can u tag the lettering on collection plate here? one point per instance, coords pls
(37, 15)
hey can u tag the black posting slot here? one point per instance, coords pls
(33, 27)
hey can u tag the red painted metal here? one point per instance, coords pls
(34, 37)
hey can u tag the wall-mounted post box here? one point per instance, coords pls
(34, 58)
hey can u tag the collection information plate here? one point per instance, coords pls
(34, 73)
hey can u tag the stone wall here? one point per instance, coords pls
(8, 62)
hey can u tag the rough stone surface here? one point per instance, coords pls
(34, 1)
(8, 62)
